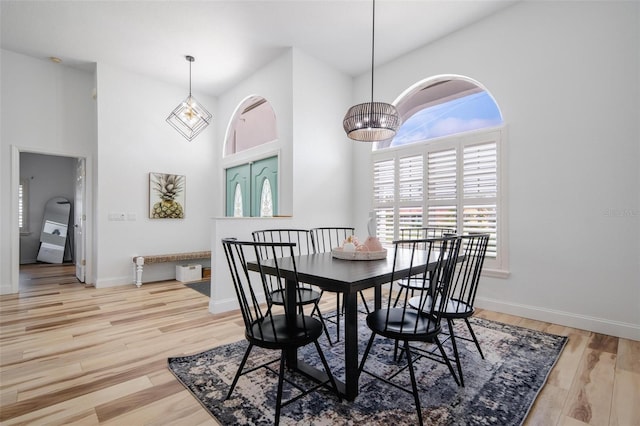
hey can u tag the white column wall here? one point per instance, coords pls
(309, 99)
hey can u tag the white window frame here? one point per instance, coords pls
(496, 267)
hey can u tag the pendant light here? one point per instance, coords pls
(189, 118)
(371, 121)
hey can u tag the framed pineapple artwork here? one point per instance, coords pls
(166, 196)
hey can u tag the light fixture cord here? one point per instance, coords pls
(373, 44)
(190, 77)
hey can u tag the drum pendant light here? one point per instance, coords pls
(189, 118)
(371, 121)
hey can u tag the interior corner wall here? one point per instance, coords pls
(134, 140)
(322, 155)
(45, 108)
(569, 92)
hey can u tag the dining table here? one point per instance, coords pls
(347, 277)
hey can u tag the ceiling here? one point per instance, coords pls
(229, 39)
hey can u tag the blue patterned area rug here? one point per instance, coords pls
(499, 390)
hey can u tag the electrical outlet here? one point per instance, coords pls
(116, 216)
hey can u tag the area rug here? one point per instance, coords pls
(203, 287)
(499, 390)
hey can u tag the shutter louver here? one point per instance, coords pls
(411, 177)
(20, 206)
(383, 181)
(384, 225)
(480, 170)
(410, 217)
(442, 217)
(441, 175)
(483, 219)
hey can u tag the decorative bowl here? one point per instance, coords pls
(339, 253)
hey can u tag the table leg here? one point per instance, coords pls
(351, 345)
(291, 311)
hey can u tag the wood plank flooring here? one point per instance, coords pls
(73, 354)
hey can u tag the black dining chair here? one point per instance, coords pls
(308, 295)
(464, 286)
(416, 282)
(263, 328)
(404, 324)
(326, 239)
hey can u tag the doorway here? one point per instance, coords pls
(38, 170)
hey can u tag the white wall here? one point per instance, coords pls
(566, 77)
(46, 108)
(134, 140)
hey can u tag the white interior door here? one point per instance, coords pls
(79, 220)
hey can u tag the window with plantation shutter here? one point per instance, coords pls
(444, 167)
(452, 183)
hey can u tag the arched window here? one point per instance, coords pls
(444, 168)
(253, 124)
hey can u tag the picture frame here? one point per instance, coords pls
(167, 196)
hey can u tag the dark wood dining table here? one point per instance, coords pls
(347, 277)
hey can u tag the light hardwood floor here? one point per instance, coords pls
(73, 354)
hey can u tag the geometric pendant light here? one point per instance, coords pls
(189, 118)
(371, 121)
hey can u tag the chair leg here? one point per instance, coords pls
(239, 372)
(316, 308)
(326, 367)
(395, 303)
(455, 350)
(366, 353)
(446, 359)
(364, 301)
(416, 396)
(280, 385)
(473, 335)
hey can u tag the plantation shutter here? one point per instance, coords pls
(442, 209)
(383, 198)
(410, 188)
(451, 183)
(480, 179)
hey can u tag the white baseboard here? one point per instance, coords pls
(114, 282)
(224, 305)
(568, 319)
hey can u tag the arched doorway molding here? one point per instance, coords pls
(252, 123)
